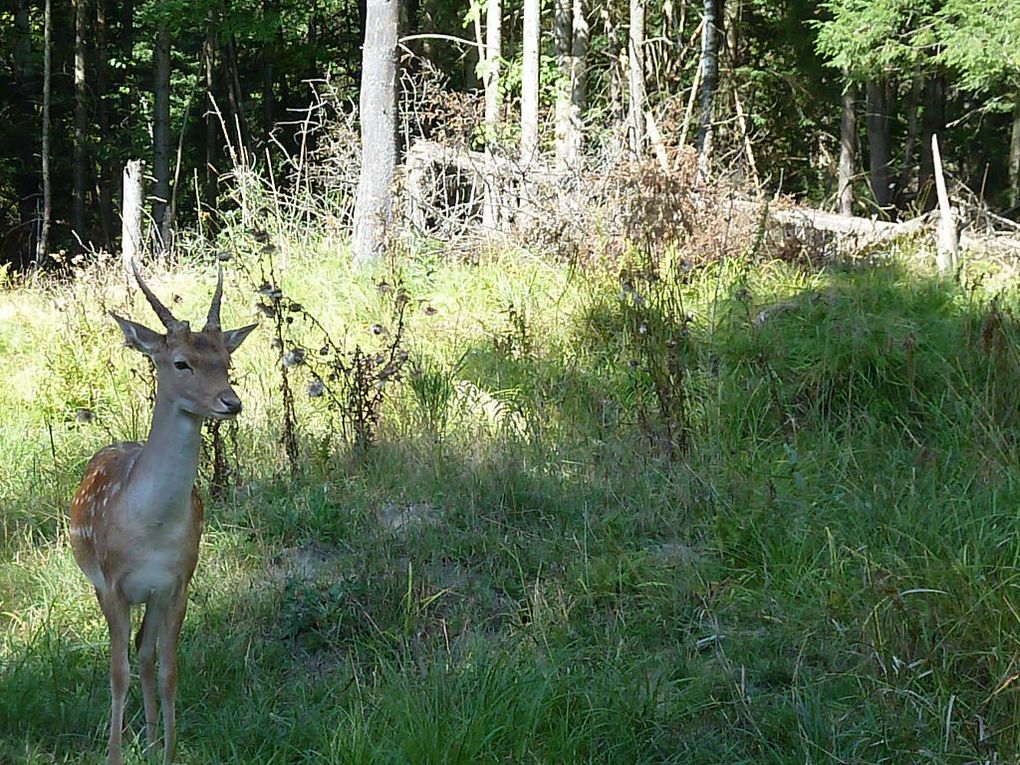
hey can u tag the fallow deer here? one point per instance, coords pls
(136, 518)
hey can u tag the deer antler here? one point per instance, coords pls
(212, 323)
(168, 319)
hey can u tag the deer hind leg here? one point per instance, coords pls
(169, 631)
(145, 642)
(117, 611)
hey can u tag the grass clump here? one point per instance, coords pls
(744, 512)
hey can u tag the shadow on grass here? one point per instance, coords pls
(828, 572)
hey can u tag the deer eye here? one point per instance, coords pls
(182, 365)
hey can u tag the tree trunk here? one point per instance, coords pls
(913, 128)
(161, 138)
(709, 82)
(564, 33)
(529, 82)
(212, 126)
(847, 147)
(378, 110)
(238, 126)
(949, 243)
(42, 246)
(932, 123)
(571, 95)
(131, 214)
(1014, 156)
(617, 114)
(79, 173)
(493, 53)
(270, 12)
(636, 77)
(879, 142)
(103, 118)
(25, 170)
(579, 77)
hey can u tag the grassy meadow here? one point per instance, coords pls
(751, 511)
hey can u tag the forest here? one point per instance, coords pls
(830, 102)
(578, 382)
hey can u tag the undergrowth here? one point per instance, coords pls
(746, 511)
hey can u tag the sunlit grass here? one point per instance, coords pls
(516, 571)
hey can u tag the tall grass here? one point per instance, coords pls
(746, 513)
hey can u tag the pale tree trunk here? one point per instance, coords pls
(572, 55)
(847, 147)
(131, 214)
(949, 242)
(1014, 157)
(636, 77)
(378, 110)
(493, 53)
(529, 82)
(709, 82)
(161, 138)
(79, 173)
(879, 142)
(43, 244)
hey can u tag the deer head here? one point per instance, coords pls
(192, 368)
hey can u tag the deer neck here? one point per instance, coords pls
(164, 473)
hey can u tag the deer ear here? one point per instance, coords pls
(138, 337)
(233, 338)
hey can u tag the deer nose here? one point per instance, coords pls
(230, 402)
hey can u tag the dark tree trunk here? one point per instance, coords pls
(271, 12)
(26, 170)
(378, 113)
(212, 125)
(106, 170)
(161, 137)
(238, 125)
(79, 170)
(879, 142)
(933, 121)
(1014, 156)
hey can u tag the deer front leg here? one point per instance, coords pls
(146, 644)
(118, 617)
(170, 629)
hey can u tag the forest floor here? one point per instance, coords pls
(749, 512)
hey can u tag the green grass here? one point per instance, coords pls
(528, 566)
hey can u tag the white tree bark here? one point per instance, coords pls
(373, 209)
(131, 215)
(847, 146)
(949, 242)
(529, 81)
